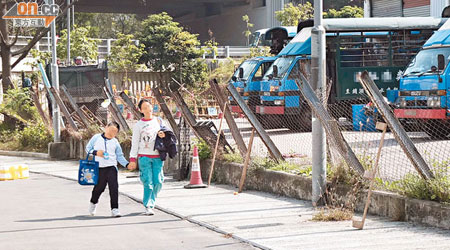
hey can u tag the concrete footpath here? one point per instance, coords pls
(261, 219)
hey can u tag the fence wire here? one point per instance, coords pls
(291, 133)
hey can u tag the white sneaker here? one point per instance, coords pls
(115, 212)
(149, 211)
(92, 208)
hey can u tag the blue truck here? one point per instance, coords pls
(423, 98)
(382, 46)
(247, 79)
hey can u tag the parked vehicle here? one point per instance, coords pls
(423, 98)
(276, 38)
(382, 46)
(247, 78)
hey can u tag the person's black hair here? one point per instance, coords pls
(115, 124)
(140, 104)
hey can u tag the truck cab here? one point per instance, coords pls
(246, 79)
(280, 97)
(423, 99)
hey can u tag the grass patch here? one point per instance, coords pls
(333, 214)
(284, 166)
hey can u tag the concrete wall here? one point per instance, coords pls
(228, 27)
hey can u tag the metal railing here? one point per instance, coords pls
(226, 51)
(104, 48)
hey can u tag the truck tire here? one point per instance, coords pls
(436, 129)
(299, 123)
(270, 121)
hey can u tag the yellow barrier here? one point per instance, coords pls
(14, 172)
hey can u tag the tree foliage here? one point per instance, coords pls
(125, 54)
(169, 48)
(291, 14)
(248, 25)
(107, 25)
(80, 44)
(345, 12)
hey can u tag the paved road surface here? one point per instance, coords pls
(50, 213)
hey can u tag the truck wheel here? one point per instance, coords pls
(436, 129)
(269, 121)
(299, 123)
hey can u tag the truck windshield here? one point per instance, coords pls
(248, 67)
(254, 39)
(425, 60)
(283, 64)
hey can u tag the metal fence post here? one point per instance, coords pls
(108, 46)
(68, 35)
(55, 84)
(227, 51)
(319, 175)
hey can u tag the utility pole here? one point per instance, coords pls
(73, 16)
(55, 84)
(68, 35)
(318, 56)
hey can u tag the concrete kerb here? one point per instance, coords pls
(168, 211)
(25, 154)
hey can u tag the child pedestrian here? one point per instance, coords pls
(108, 152)
(143, 149)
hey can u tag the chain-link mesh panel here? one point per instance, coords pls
(429, 136)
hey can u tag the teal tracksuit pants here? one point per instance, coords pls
(152, 177)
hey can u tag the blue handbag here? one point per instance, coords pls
(88, 171)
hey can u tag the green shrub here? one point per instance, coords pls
(414, 186)
(204, 152)
(35, 138)
(18, 104)
(233, 157)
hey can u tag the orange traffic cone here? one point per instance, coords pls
(196, 177)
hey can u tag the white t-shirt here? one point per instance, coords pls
(144, 137)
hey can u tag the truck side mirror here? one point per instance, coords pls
(241, 73)
(233, 78)
(441, 62)
(275, 71)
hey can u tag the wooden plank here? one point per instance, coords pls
(330, 125)
(91, 116)
(166, 111)
(215, 149)
(63, 109)
(207, 135)
(221, 98)
(246, 162)
(273, 150)
(41, 112)
(115, 111)
(130, 105)
(74, 105)
(360, 224)
(189, 118)
(397, 129)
